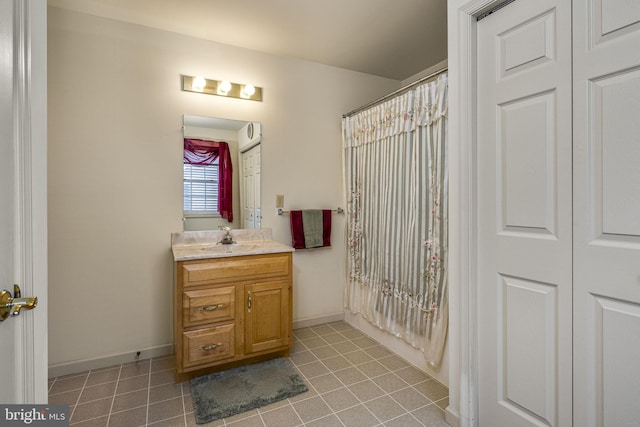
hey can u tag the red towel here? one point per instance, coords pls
(297, 231)
(326, 227)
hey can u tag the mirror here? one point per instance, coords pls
(244, 141)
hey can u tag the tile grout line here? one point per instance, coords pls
(311, 333)
(291, 404)
(184, 407)
(146, 421)
(163, 400)
(368, 377)
(316, 390)
(347, 339)
(75, 406)
(51, 386)
(333, 372)
(293, 408)
(260, 418)
(113, 398)
(409, 386)
(318, 394)
(350, 340)
(102, 398)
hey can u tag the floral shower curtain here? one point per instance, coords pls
(395, 171)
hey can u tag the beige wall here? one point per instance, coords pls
(115, 190)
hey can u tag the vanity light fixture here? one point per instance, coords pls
(221, 88)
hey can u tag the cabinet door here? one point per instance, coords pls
(267, 315)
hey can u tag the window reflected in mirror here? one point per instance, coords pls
(221, 173)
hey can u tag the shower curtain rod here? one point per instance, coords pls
(396, 92)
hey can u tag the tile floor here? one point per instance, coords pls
(353, 381)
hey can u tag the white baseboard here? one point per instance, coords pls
(452, 418)
(78, 366)
(313, 321)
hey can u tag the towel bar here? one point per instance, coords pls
(281, 212)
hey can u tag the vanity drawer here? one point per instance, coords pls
(208, 345)
(236, 268)
(208, 305)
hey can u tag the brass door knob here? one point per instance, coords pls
(12, 305)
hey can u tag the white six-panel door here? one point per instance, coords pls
(251, 187)
(606, 87)
(525, 110)
(8, 330)
(23, 190)
(524, 215)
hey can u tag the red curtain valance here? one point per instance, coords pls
(202, 152)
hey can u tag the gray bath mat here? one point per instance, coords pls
(237, 390)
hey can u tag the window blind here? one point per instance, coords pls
(200, 189)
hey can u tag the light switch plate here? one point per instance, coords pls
(279, 200)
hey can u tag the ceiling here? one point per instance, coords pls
(388, 38)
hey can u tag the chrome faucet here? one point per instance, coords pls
(227, 239)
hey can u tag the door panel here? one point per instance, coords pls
(8, 328)
(524, 215)
(23, 220)
(616, 152)
(528, 44)
(527, 165)
(606, 212)
(613, 387)
(609, 19)
(526, 373)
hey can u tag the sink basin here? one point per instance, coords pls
(233, 248)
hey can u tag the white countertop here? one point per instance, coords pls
(191, 245)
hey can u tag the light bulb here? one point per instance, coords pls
(198, 83)
(247, 91)
(224, 87)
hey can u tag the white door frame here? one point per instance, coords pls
(30, 204)
(463, 210)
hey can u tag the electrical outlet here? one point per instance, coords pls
(279, 200)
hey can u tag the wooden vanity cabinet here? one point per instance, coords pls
(231, 311)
